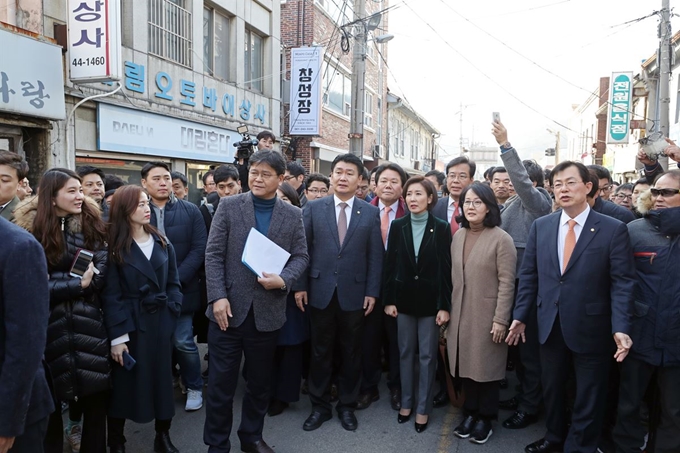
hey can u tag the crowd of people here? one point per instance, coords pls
(449, 281)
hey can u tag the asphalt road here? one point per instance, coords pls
(378, 431)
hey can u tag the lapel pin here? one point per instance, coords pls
(592, 229)
(358, 212)
(431, 230)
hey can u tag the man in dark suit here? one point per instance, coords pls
(341, 285)
(24, 310)
(581, 281)
(13, 170)
(247, 311)
(460, 173)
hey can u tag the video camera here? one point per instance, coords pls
(244, 148)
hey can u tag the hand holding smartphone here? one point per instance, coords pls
(496, 117)
(81, 262)
(128, 361)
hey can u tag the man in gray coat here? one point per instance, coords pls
(530, 202)
(340, 286)
(246, 311)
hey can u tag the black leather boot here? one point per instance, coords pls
(163, 444)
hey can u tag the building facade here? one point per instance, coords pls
(323, 23)
(192, 72)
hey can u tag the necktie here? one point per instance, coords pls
(385, 223)
(454, 224)
(569, 244)
(342, 223)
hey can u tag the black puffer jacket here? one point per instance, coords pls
(77, 347)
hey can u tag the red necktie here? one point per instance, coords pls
(454, 224)
(569, 244)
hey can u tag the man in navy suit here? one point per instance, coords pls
(460, 173)
(24, 308)
(581, 279)
(341, 284)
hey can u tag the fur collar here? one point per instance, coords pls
(644, 202)
(25, 213)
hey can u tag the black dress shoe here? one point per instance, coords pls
(509, 405)
(441, 399)
(365, 399)
(465, 428)
(481, 432)
(420, 427)
(544, 446)
(348, 420)
(163, 444)
(276, 407)
(258, 447)
(520, 420)
(403, 418)
(395, 399)
(117, 449)
(503, 383)
(315, 420)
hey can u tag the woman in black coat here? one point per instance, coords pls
(141, 303)
(65, 221)
(417, 291)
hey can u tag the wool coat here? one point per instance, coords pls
(483, 293)
(142, 298)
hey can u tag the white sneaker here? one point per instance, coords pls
(194, 400)
(73, 437)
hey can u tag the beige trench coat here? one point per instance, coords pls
(483, 293)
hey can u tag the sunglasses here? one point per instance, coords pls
(664, 192)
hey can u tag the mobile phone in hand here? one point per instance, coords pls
(128, 361)
(496, 117)
(81, 262)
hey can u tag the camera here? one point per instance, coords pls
(244, 148)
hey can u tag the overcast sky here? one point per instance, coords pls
(577, 40)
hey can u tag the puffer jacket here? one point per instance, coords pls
(656, 245)
(77, 347)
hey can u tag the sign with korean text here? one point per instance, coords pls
(141, 132)
(94, 51)
(305, 90)
(31, 77)
(620, 107)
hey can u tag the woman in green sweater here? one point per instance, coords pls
(417, 291)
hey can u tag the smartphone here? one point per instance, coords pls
(128, 361)
(81, 262)
(496, 117)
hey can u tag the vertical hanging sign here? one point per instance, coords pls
(305, 91)
(94, 43)
(620, 103)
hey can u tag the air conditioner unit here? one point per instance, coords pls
(378, 151)
(348, 108)
(416, 165)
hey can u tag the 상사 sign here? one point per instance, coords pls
(94, 51)
(620, 102)
(305, 90)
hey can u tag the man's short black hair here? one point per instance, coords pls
(394, 167)
(154, 164)
(15, 161)
(626, 186)
(487, 173)
(318, 177)
(374, 170)
(462, 160)
(349, 158)
(546, 174)
(495, 170)
(225, 172)
(272, 158)
(178, 175)
(205, 176)
(582, 170)
(295, 168)
(535, 172)
(644, 181)
(441, 177)
(484, 192)
(366, 176)
(266, 134)
(90, 170)
(594, 180)
(601, 172)
(112, 182)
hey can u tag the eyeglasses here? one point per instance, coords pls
(664, 192)
(264, 175)
(317, 191)
(458, 176)
(474, 203)
(605, 189)
(570, 185)
(289, 177)
(623, 196)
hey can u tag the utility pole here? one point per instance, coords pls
(356, 132)
(460, 120)
(665, 71)
(557, 148)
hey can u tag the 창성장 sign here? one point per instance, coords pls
(141, 132)
(305, 90)
(31, 77)
(94, 51)
(620, 107)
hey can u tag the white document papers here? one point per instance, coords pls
(262, 255)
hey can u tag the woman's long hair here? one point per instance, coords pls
(123, 204)
(47, 224)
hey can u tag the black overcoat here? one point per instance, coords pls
(142, 298)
